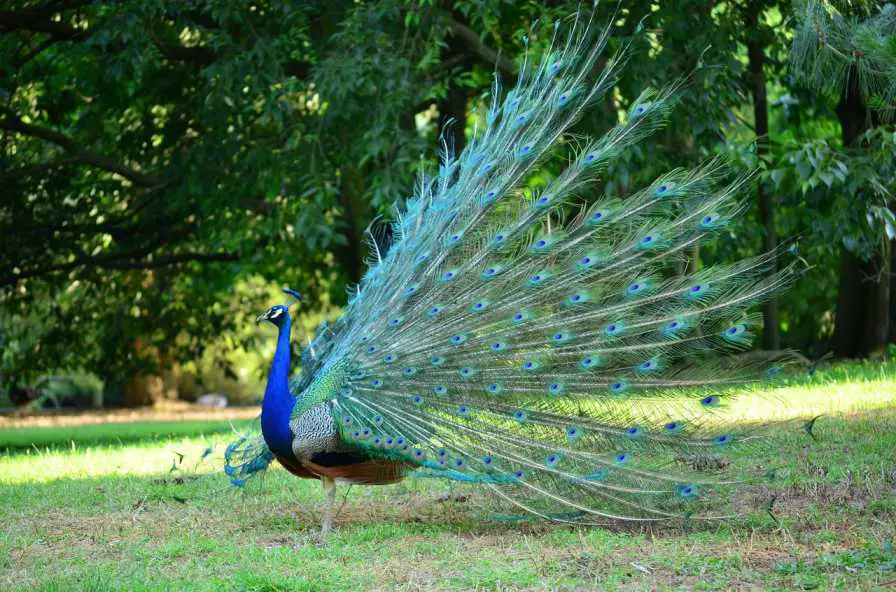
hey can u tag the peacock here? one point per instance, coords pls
(530, 338)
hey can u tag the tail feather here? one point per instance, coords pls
(555, 353)
(247, 457)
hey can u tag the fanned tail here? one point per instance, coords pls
(552, 352)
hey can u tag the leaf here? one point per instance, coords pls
(777, 175)
(841, 176)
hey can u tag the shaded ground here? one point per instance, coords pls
(67, 428)
(163, 411)
(135, 516)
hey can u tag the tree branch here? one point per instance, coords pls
(37, 20)
(43, 45)
(478, 48)
(49, 9)
(171, 260)
(38, 168)
(15, 124)
(201, 56)
(120, 262)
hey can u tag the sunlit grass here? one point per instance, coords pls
(104, 514)
(843, 389)
(108, 434)
(42, 466)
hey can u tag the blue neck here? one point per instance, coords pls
(277, 406)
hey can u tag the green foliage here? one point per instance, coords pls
(156, 154)
(847, 190)
(838, 43)
(146, 150)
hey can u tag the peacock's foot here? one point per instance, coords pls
(327, 522)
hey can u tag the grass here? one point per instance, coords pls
(107, 513)
(12, 440)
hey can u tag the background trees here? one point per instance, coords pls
(850, 56)
(162, 160)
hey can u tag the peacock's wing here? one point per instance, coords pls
(516, 340)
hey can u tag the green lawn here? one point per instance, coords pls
(107, 513)
(106, 434)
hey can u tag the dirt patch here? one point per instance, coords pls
(163, 411)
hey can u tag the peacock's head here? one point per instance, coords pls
(278, 313)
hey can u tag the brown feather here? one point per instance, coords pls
(371, 472)
(294, 467)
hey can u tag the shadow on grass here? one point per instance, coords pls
(280, 511)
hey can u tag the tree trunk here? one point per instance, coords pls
(852, 298)
(453, 110)
(891, 337)
(863, 301)
(143, 389)
(771, 336)
(878, 321)
(354, 219)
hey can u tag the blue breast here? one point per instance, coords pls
(277, 407)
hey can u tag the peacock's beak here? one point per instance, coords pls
(260, 318)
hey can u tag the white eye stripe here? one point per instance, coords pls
(275, 313)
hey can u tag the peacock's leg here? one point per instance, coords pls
(330, 487)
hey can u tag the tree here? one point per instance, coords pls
(157, 156)
(852, 56)
(155, 153)
(758, 36)
(142, 150)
